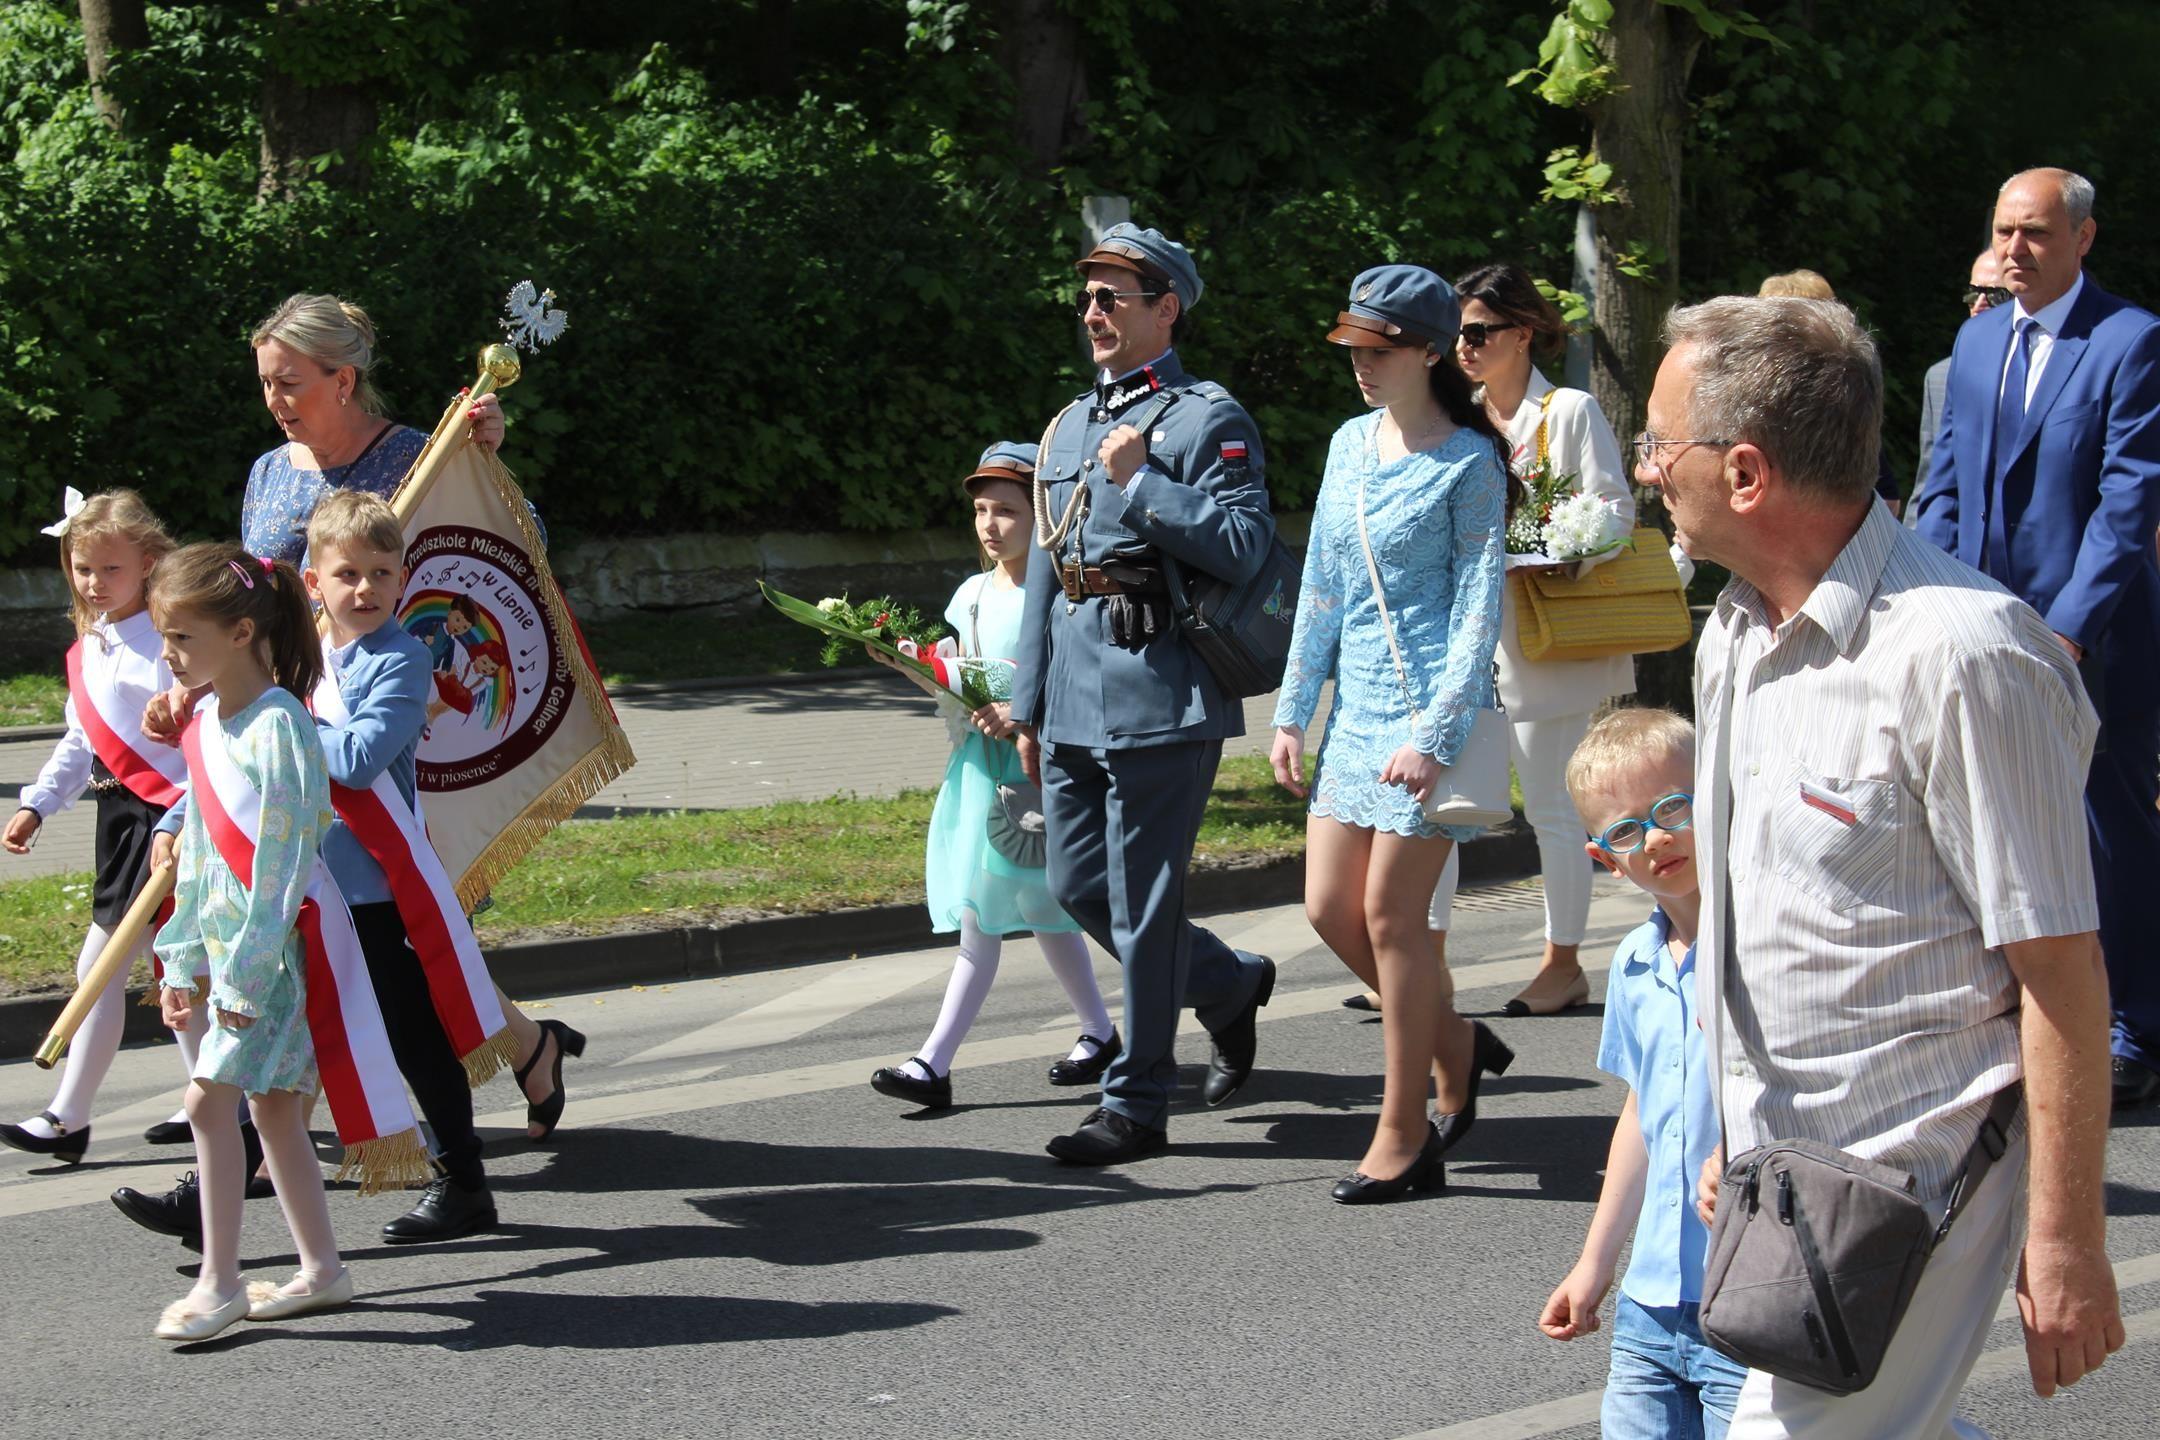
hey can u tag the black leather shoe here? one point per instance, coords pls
(1427, 1172)
(1108, 1138)
(1489, 1054)
(170, 1132)
(445, 1212)
(894, 1080)
(2134, 1084)
(66, 1147)
(1090, 1070)
(1237, 1044)
(176, 1212)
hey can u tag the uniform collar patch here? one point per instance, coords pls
(1110, 399)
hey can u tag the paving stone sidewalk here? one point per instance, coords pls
(697, 750)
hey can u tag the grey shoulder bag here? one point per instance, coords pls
(1815, 1252)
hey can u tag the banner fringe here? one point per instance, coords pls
(601, 765)
(388, 1162)
(498, 1052)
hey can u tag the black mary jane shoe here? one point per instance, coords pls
(67, 1146)
(1489, 1054)
(1427, 1172)
(1090, 1070)
(1237, 1044)
(170, 1132)
(894, 1080)
(1108, 1138)
(548, 1113)
(445, 1212)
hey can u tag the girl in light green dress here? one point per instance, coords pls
(243, 627)
(982, 878)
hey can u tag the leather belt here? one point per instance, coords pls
(1078, 581)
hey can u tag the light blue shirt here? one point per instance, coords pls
(1652, 1042)
(384, 677)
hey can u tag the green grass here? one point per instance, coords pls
(661, 871)
(32, 697)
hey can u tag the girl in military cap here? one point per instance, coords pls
(984, 861)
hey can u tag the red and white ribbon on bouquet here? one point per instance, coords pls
(352, 1051)
(391, 830)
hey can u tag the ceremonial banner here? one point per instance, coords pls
(520, 732)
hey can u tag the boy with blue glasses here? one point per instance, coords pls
(1631, 780)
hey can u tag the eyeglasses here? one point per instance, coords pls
(1647, 446)
(1477, 332)
(1673, 813)
(1987, 295)
(1105, 299)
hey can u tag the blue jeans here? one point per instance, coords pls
(1666, 1381)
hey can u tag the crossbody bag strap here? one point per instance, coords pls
(1387, 622)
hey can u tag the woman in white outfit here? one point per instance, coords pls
(1505, 323)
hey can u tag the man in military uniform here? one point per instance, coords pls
(1119, 716)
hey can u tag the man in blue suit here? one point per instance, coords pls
(2046, 475)
(1118, 715)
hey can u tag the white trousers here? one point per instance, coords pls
(1541, 750)
(1936, 1346)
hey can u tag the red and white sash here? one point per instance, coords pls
(352, 1051)
(153, 772)
(391, 831)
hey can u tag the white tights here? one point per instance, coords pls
(977, 966)
(90, 1053)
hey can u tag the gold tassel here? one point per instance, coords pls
(498, 1052)
(388, 1162)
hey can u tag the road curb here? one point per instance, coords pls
(599, 962)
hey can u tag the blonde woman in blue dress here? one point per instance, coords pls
(243, 627)
(1423, 475)
(975, 886)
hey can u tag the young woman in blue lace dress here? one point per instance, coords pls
(1424, 469)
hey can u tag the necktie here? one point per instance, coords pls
(2009, 420)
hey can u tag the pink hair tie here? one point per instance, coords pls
(269, 565)
(245, 578)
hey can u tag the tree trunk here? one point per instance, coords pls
(301, 123)
(109, 27)
(1638, 131)
(1039, 46)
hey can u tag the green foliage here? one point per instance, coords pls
(1575, 178)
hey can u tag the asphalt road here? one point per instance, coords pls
(733, 1236)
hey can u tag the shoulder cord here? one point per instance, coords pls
(1076, 509)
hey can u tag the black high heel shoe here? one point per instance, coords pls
(1488, 1054)
(1427, 1172)
(548, 1113)
(66, 1147)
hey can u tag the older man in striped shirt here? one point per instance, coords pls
(1900, 921)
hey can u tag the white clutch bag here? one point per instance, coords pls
(1474, 789)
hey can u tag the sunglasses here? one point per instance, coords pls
(1477, 332)
(1105, 299)
(1993, 295)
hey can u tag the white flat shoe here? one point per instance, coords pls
(267, 1302)
(187, 1326)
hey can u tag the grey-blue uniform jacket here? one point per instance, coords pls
(1202, 501)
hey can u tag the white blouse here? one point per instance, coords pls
(1579, 440)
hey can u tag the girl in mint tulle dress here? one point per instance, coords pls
(982, 867)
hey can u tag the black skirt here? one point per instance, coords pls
(124, 825)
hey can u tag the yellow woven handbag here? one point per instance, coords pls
(1632, 604)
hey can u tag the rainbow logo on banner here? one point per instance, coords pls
(471, 652)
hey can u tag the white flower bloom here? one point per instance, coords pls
(830, 606)
(1581, 525)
